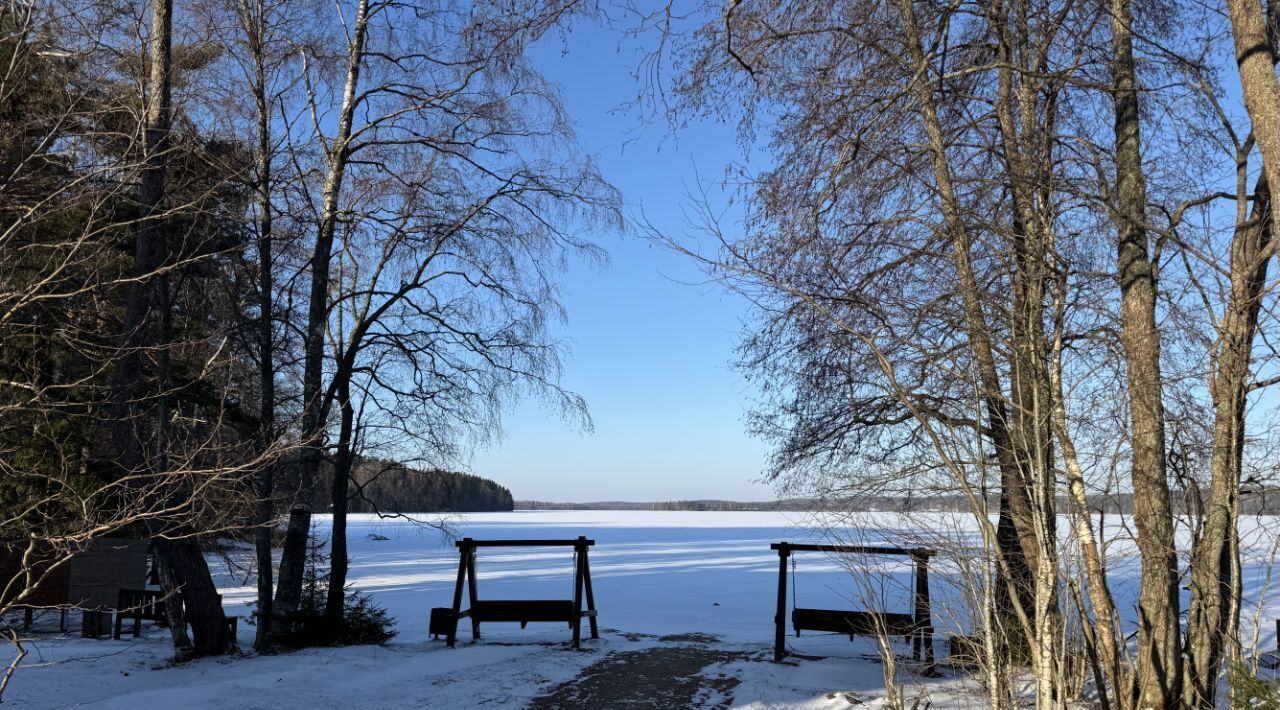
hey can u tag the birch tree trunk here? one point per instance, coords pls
(315, 408)
(1023, 139)
(335, 604)
(1107, 638)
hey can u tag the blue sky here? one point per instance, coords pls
(652, 343)
(651, 346)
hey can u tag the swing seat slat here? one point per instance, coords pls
(522, 610)
(858, 623)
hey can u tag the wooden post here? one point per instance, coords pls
(915, 607)
(586, 579)
(577, 597)
(924, 620)
(95, 623)
(457, 591)
(471, 590)
(779, 619)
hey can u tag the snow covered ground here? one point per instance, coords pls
(659, 577)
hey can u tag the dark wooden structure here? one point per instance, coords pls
(87, 579)
(964, 651)
(103, 568)
(917, 626)
(570, 611)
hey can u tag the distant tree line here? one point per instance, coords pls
(379, 486)
(794, 504)
(1263, 501)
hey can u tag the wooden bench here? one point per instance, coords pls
(151, 605)
(140, 604)
(916, 626)
(444, 620)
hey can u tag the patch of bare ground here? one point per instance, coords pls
(660, 677)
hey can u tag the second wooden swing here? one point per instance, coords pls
(918, 625)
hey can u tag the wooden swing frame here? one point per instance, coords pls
(523, 610)
(918, 626)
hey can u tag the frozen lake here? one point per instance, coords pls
(713, 572)
(653, 572)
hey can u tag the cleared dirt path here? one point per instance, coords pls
(672, 675)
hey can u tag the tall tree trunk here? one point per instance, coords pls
(315, 406)
(173, 545)
(1211, 621)
(1255, 58)
(201, 606)
(1159, 650)
(334, 605)
(264, 486)
(1014, 581)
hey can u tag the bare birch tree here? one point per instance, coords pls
(435, 110)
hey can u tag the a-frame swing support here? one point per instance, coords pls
(918, 625)
(523, 610)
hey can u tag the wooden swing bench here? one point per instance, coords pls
(445, 620)
(917, 626)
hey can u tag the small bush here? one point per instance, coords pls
(363, 621)
(1249, 692)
